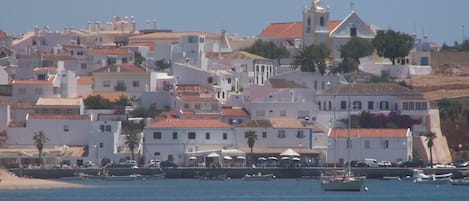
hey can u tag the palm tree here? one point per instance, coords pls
(252, 137)
(429, 137)
(132, 139)
(40, 139)
(311, 59)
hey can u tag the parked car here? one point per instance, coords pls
(167, 164)
(371, 162)
(356, 164)
(411, 163)
(385, 164)
(153, 164)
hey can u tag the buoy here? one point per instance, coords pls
(366, 188)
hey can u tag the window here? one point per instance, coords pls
(357, 105)
(106, 83)
(84, 66)
(353, 31)
(225, 136)
(283, 113)
(136, 83)
(367, 144)
(315, 84)
(156, 153)
(405, 106)
(66, 128)
(371, 105)
(125, 60)
(300, 134)
(38, 91)
(319, 105)
(264, 134)
(207, 136)
(175, 135)
(197, 106)
(349, 143)
(229, 80)
(101, 128)
(186, 106)
(386, 144)
(157, 135)
(191, 135)
(343, 105)
(384, 105)
(108, 128)
(281, 134)
(101, 145)
(210, 80)
(330, 105)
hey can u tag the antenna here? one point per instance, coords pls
(351, 5)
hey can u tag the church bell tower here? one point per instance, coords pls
(315, 24)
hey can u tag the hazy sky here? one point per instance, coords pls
(441, 20)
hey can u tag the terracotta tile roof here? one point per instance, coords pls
(34, 82)
(228, 111)
(112, 96)
(58, 57)
(368, 133)
(121, 68)
(234, 55)
(70, 46)
(370, 88)
(196, 99)
(284, 83)
(41, 101)
(52, 70)
(150, 45)
(112, 51)
(173, 35)
(261, 123)
(85, 80)
(189, 123)
(290, 30)
(60, 116)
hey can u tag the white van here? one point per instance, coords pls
(371, 162)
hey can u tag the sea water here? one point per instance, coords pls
(238, 190)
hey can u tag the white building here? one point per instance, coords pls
(381, 144)
(174, 139)
(129, 78)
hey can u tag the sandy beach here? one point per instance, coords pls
(12, 182)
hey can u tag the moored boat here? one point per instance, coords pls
(258, 177)
(462, 182)
(123, 178)
(345, 182)
(420, 177)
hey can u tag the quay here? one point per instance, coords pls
(190, 172)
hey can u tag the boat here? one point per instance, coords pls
(420, 177)
(343, 180)
(155, 176)
(85, 176)
(123, 178)
(258, 177)
(460, 182)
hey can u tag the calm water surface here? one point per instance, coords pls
(237, 190)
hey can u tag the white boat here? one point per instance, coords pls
(123, 178)
(461, 182)
(258, 177)
(420, 177)
(345, 182)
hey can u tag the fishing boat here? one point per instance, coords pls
(461, 182)
(420, 177)
(258, 177)
(123, 178)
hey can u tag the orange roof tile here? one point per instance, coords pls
(112, 51)
(287, 30)
(34, 82)
(59, 116)
(234, 112)
(189, 123)
(368, 133)
(61, 57)
(52, 70)
(85, 80)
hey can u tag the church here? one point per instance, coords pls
(317, 28)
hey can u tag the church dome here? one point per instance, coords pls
(3, 34)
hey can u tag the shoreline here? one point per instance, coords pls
(12, 182)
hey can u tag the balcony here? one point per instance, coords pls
(120, 88)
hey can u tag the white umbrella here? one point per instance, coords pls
(241, 157)
(272, 158)
(261, 159)
(227, 157)
(295, 159)
(285, 158)
(289, 152)
(192, 158)
(213, 155)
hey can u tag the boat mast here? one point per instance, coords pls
(349, 126)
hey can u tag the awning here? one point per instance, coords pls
(289, 152)
(213, 155)
(241, 157)
(192, 158)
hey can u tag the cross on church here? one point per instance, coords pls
(351, 5)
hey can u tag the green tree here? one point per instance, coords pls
(311, 59)
(139, 59)
(267, 50)
(132, 140)
(122, 101)
(356, 48)
(98, 102)
(252, 137)
(162, 64)
(145, 112)
(347, 65)
(40, 140)
(392, 45)
(429, 137)
(449, 109)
